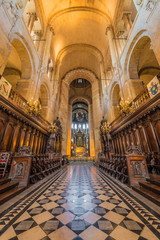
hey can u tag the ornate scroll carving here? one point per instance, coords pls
(133, 150)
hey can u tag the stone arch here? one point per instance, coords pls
(80, 73)
(53, 17)
(80, 99)
(115, 97)
(138, 36)
(28, 53)
(141, 64)
(90, 52)
(19, 69)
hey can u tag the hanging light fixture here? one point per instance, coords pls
(33, 107)
(125, 107)
(105, 127)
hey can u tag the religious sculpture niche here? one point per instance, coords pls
(55, 138)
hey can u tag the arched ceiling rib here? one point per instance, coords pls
(80, 56)
(53, 7)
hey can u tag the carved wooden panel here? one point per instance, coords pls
(143, 140)
(157, 130)
(151, 139)
(20, 169)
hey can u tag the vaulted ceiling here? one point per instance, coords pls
(79, 26)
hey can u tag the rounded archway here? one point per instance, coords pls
(142, 65)
(18, 70)
(115, 100)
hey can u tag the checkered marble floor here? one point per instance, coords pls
(80, 203)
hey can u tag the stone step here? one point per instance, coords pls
(4, 181)
(151, 187)
(154, 179)
(4, 197)
(153, 197)
(8, 186)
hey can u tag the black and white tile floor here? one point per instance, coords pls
(80, 203)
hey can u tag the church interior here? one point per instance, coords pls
(80, 119)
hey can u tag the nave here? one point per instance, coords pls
(78, 203)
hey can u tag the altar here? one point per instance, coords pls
(79, 148)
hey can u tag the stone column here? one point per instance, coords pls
(110, 35)
(38, 35)
(104, 94)
(63, 114)
(127, 21)
(46, 55)
(97, 115)
(31, 21)
(69, 130)
(91, 132)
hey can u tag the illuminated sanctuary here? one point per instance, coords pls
(80, 119)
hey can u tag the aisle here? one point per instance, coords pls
(80, 204)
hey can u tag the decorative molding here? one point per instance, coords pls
(80, 73)
(133, 150)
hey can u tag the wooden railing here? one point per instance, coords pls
(140, 100)
(17, 99)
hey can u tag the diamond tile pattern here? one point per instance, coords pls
(82, 204)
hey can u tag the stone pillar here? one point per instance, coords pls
(97, 115)
(69, 130)
(104, 94)
(5, 50)
(110, 35)
(91, 132)
(31, 21)
(63, 114)
(38, 35)
(46, 55)
(127, 21)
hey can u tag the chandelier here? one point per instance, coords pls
(33, 107)
(125, 107)
(105, 127)
(53, 128)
